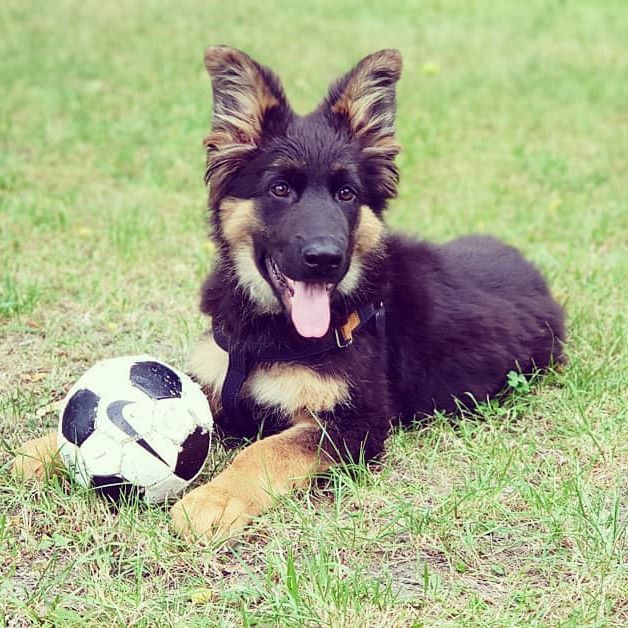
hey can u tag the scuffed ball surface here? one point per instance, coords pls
(135, 426)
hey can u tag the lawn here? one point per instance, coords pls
(514, 122)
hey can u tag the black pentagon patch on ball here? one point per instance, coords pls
(77, 423)
(116, 489)
(156, 380)
(193, 454)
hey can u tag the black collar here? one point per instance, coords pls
(242, 359)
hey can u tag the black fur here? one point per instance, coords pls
(460, 316)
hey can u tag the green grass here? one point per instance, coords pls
(514, 122)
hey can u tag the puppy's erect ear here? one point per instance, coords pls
(363, 100)
(248, 100)
(362, 104)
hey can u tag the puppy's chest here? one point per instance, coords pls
(287, 388)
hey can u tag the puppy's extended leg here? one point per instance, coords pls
(270, 467)
(37, 458)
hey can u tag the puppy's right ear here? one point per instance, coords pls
(248, 97)
(248, 102)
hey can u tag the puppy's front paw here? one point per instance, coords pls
(209, 511)
(36, 459)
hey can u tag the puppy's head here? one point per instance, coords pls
(296, 201)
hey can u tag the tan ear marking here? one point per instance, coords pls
(242, 96)
(369, 85)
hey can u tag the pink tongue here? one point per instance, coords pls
(310, 309)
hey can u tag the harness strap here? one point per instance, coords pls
(243, 359)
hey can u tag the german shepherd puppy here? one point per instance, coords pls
(327, 328)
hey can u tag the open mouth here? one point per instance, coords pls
(307, 302)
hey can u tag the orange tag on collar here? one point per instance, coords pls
(347, 329)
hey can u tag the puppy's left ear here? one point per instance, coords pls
(362, 102)
(362, 106)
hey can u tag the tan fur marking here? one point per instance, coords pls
(290, 388)
(351, 280)
(266, 469)
(368, 239)
(37, 458)
(252, 282)
(293, 388)
(385, 144)
(265, 100)
(208, 363)
(238, 220)
(358, 107)
(369, 233)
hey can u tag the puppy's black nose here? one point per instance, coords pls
(322, 257)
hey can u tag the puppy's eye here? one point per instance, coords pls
(281, 190)
(346, 194)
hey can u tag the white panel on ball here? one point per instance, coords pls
(197, 403)
(168, 488)
(102, 455)
(164, 446)
(140, 415)
(172, 419)
(142, 467)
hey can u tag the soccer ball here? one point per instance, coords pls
(135, 426)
